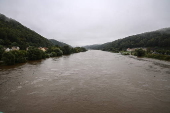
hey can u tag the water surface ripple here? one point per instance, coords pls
(90, 82)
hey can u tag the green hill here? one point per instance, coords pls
(55, 42)
(155, 39)
(12, 33)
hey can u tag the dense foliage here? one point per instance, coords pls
(159, 39)
(1, 51)
(139, 52)
(55, 42)
(54, 51)
(8, 58)
(12, 33)
(35, 54)
(20, 56)
(66, 50)
(159, 56)
(78, 49)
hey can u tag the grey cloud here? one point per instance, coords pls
(83, 22)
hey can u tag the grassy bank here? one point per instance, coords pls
(142, 53)
(158, 56)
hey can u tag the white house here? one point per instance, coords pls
(7, 49)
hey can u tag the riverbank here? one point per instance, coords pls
(148, 55)
(33, 53)
(155, 61)
(158, 56)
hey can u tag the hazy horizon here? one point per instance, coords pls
(87, 22)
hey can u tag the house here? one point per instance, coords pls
(133, 49)
(7, 49)
(15, 48)
(128, 49)
(43, 48)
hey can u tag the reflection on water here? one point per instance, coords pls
(90, 82)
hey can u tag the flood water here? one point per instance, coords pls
(90, 82)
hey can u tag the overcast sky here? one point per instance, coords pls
(85, 22)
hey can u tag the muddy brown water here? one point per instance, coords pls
(90, 82)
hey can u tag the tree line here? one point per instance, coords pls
(159, 39)
(159, 54)
(12, 33)
(33, 53)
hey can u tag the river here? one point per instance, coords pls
(88, 82)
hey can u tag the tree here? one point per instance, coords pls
(13, 33)
(53, 54)
(53, 50)
(1, 42)
(66, 50)
(58, 51)
(35, 54)
(8, 58)
(78, 49)
(14, 44)
(1, 51)
(139, 52)
(20, 56)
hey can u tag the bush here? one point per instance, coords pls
(139, 52)
(159, 56)
(57, 50)
(47, 56)
(66, 50)
(53, 54)
(1, 51)
(78, 49)
(8, 58)
(35, 54)
(20, 56)
(43, 56)
(125, 53)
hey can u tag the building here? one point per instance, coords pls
(43, 48)
(7, 49)
(133, 49)
(15, 48)
(128, 49)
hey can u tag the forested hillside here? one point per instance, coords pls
(159, 39)
(55, 42)
(12, 33)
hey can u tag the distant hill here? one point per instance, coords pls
(55, 42)
(159, 38)
(12, 33)
(164, 30)
(95, 46)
